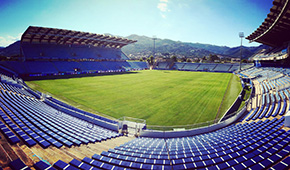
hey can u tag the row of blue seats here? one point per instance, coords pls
(252, 113)
(283, 165)
(49, 114)
(50, 128)
(277, 96)
(15, 89)
(255, 145)
(11, 82)
(224, 143)
(204, 66)
(246, 115)
(147, 159)
(63, 125)
(17, 164)
(78, 123)
(272, 98)
(12, 138)
(49, 136)
(193, 148)
(268, 111)
(55, 67)
(271, 111)
(34, 93)
(15, 86)
(264, 112)
(27, 127)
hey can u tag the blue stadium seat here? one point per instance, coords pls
(136, 165)
(283, 165)
(82, 165)
(60, 165)
(17, 165)
(92, 162)
(42, 166)
(12, 139)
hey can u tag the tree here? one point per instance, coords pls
(213, 57)
(196, 60)
(174, 58)
(188, 60)
(150, 60)
(183, 59)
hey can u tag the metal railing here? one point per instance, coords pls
(193, 126)
(132, 119)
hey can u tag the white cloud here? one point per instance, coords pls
(163, 7)
(7, 40)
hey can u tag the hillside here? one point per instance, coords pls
(11, 50)
(166, 47)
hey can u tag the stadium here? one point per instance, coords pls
(40, 131)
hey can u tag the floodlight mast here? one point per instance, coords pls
(241, 35)
(154, 39)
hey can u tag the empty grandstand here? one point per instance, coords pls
(274, 31)
(205, 67)
(51, 52)
(45, 133)
(257, 141)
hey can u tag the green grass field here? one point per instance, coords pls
(159, 97)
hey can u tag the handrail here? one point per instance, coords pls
(126, 118)
(193, 131)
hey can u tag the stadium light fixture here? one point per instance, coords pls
(241, 35)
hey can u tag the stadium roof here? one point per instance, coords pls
(61, 36)
(274, 31)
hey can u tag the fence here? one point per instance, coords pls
(134, 125)
(132, 119)
(199, 130)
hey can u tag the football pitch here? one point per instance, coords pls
(159, 97)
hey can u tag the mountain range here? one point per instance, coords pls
(11, 50)
(163, 47)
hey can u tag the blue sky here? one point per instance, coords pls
(215, 22)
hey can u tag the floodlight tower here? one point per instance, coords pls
(154, 39)
(241, 35)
